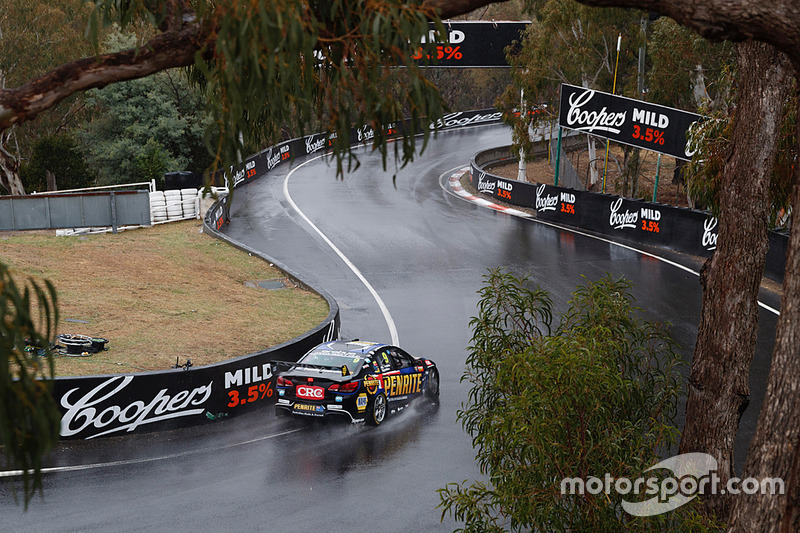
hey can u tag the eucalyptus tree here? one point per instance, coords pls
(591, 394)
(142, 128)
(568, 43)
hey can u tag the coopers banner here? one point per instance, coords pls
(660, 225)
(469, 44)
(666, 226)
(273, 157)
(641, 124)
(101, 406)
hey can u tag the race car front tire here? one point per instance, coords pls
(377, 413)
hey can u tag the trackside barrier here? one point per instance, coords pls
(118, 404)
(101, 406)
(75, 210)
(684, 230)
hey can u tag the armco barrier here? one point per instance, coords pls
(675, 228)
(99, 406)
(110, 405)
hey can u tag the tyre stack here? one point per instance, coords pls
(189, 203)
(158, 207)
(174, 204)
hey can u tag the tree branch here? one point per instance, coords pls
(453, 8)
(167, 50)
(776, 22)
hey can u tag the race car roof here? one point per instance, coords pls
(353, 347)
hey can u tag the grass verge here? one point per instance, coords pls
(159, 294)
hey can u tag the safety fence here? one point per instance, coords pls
(74, 210)
(676, 228)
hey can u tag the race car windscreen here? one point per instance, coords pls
(334, 359)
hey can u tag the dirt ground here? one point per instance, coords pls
(160, 295)
(539, 171)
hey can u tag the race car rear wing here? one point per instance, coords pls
(290, 365)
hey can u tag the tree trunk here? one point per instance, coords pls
(718, 385)
(594, 175)
(9, 169)
(51, 181)
(775, 450)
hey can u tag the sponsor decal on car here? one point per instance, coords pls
(306, 409)
(308, 392)
(361, 402)
(372, 383)
(402, 385)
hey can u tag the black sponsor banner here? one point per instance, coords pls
(273, 157)
(462, 119)
(469, 44)
(650, 126)
(102, 406)
(681, 229)
(638, 221)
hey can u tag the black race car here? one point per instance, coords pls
(361, 381)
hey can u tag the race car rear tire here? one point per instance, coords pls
(377, 413)
(432, 386)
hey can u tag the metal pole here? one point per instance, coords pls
(113, 213)
(613, 91)
(521, 170)
(642, 57)
(558, 154)
(658, 171)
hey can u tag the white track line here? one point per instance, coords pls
(454, 176)
(384, 310)
(75, 468)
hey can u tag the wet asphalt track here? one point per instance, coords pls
(424, 251)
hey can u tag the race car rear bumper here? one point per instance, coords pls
(307, 410)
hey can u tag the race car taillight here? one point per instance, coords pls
(351, 386)
(283, 382)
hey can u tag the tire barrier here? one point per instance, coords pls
(172, 205)
(638, 221)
